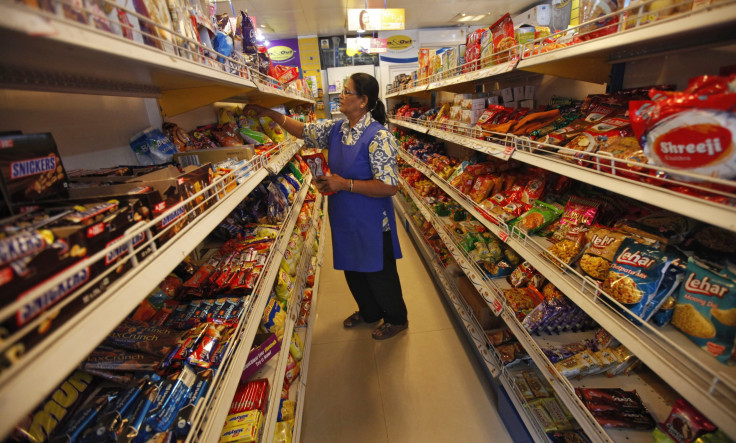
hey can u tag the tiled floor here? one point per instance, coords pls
(424, 385)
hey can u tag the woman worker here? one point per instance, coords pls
(362, 159)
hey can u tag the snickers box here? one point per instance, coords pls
(30, 170)
(32, 256)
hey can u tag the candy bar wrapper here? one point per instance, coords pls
(555, 411)
(40, 425)
(111, 359)
(138, 336)
(188, 344)
(535, 384)
(80, 421)
(182, 424)
(138, 415)
(576, 365)
(251, 395)
(523, 387)
(227, 312)
(112, 415)
(204, 352)
(173, 393)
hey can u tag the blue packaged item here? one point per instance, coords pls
(152, 147)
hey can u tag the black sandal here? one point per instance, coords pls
(354, 320)
(387, 330)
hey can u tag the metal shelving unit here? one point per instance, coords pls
(306, 333)
(210, 416)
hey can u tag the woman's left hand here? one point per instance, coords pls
(332, 183)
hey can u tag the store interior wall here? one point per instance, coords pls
(90, 131)
(678, 67)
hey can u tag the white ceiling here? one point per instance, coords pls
(292, 18)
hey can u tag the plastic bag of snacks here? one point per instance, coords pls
(274, 318)
(151, 147)
(603, 243)
(692, 130)
(272, 129)
(685, 423)
(635, 275)
(706, 310)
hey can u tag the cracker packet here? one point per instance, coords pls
(706, 310)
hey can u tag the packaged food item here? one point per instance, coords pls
(242, 428)
(688, 132)
(272, 129)
(538, 217)
(296, 346)
(686, 424)
(503, 39)
(251, 395)
(535, 384)
(151, 147)
(635, 274)
(525, 274)
(137, 336)
(578, 216)
(274, 317)
(603, 245)
(706, 310)
(616, 408)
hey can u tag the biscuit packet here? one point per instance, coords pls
(538, 217)
(602, 246)
(635, 275)
(706, 310)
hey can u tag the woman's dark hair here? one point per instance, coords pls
(367, 85)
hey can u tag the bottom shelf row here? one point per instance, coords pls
(535, 400)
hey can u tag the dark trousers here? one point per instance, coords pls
(378, 294)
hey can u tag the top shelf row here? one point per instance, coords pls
(579, 54)
(81, 56)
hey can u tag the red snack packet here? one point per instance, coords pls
(481, 188)
(203, 353)
(503, 39)
(251, 395)
(685, 423)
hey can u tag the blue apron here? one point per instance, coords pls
(356, 220)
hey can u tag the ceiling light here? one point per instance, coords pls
(465, 18)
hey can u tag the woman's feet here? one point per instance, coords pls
(354, 320)
(387, 330)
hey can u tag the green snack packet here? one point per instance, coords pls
(538, 217)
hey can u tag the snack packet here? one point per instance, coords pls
(272, 129)
(603, 244)
(538, 217)
(635, 275)
(706, 310)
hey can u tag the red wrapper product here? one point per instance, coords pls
(598, 13)
(204, 352)
(250, 396)
(503, 39)
(203, 273)
(578, 216)
(534, 187)
(591, 139)
(284, 74)
(489, 116)
(616, 408)
(685, 423)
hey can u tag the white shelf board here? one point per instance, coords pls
(67, 47)
(679, 31)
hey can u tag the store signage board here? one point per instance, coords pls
(376, 19)
(366, 45)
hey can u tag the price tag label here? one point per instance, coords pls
(497, 307)
(503, 236)
(508, 151)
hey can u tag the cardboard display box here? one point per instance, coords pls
(481, 310)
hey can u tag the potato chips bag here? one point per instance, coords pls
(706, 310)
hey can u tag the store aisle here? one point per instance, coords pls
(424, 385)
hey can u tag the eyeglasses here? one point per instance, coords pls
(348, 92)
